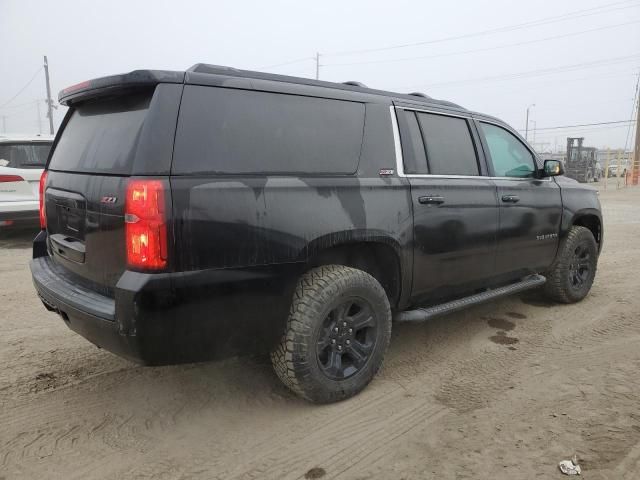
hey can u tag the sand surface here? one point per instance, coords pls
(453, 401)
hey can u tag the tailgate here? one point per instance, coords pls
(86, 184)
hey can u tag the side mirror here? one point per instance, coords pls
(553, 168)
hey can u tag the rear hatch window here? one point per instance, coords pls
(25, 155)
(101, 137)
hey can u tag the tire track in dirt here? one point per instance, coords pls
(45, 426)
(340, 443)
(473, 382)
(271, 447)
(233, 420)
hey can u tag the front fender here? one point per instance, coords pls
(578, 202)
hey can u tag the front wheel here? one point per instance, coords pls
(570, 277)
(338, 330)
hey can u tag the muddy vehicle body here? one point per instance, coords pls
(205, 213)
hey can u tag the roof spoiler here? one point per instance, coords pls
(125, 81)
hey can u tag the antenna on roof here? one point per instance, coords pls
(353, 83)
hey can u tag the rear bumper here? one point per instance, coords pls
(19, 213)
(85, 311)
(159, 319)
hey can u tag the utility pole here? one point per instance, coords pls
(317, 66)
(534, 132)
(526, 127)
(636, 155)
(49, 101)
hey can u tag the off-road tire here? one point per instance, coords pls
(560, 285)
(296, 360)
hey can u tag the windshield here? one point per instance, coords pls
(25, 155)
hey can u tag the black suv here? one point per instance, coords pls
(201, 214)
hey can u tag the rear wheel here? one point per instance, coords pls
(338, 330)
(571, 275)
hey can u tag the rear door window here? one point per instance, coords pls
(25, 155)
(415, 135)
(102, 136)
(449, 146)
(229, 131)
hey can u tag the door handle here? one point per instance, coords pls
(510, 198)
(431, 200)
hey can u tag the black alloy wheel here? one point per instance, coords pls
(580, 267)
(347, 338)
(338, 330)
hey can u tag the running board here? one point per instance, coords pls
(421, 314)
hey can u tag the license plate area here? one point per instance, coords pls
(70, 213)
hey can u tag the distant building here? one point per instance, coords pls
(626, 157)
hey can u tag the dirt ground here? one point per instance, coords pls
(454, 399)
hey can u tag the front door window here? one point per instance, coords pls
(509, 157)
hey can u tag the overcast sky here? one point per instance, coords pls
(588, 75)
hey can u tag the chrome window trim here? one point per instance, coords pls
(438, 112)
(481, 177)
(396, 142)
(400, 159)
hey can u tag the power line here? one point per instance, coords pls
(577, 131)
(533, 73)
(567, 16)
(582, 125)
(543, 21)
(464, 52)
(20, 105)
(22, 89)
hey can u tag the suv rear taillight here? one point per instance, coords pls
(43, 214)
(10, 178)
(145, 225)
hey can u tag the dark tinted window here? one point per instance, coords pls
(450, 149)
(25, 155)
(509, 157)
(101, 137)
(239, 131)
(420, 164)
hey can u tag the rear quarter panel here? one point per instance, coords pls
(249, 220)
(243, 241)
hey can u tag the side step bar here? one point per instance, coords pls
(421, 314)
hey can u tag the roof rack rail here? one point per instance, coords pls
(419, 94)
(210, 68)
(353, 83)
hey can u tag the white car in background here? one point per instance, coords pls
(22, 160)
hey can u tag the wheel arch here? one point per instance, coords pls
(380, 257)
(592, 221)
